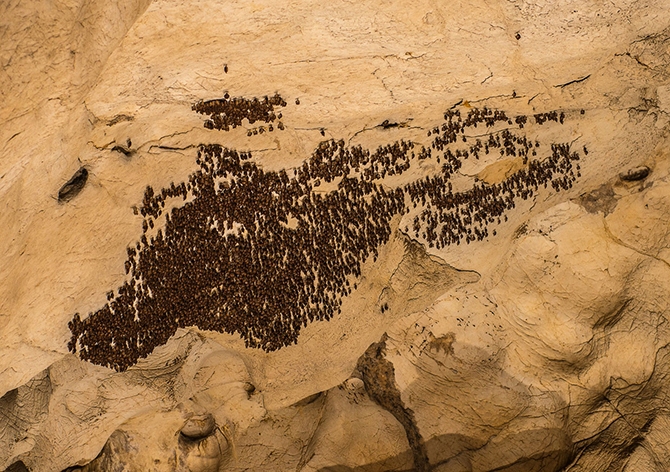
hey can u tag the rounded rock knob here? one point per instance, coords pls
(198, 427)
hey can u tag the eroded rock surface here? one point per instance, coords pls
(444, 230)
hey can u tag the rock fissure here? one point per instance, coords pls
(378, 375)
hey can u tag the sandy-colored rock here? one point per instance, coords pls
(542, 346)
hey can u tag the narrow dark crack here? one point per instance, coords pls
(378, 374)
(576, 81)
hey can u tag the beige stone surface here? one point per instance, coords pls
(543, 347)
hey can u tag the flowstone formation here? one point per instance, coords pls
(261, 254)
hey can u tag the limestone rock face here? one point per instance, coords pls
(438, 240)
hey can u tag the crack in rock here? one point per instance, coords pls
(378, 374)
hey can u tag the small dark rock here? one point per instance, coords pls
(74, 186)
(636, 173)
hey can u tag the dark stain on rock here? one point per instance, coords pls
(378, 374)
(17, 466)
(443, 343)
(74, 186)
(120, 119)
(601, 199)
(521, 230)
(636, 173)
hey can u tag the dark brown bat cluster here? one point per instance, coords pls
(449, 217)
(261, 253)
(226, 113)
(251, 252)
